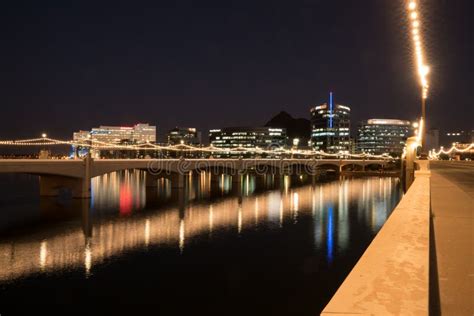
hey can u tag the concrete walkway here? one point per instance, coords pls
(452, 207)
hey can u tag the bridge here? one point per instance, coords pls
(75, 175)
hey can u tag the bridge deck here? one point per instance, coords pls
(452, 194)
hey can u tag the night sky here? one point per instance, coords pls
(70, 65)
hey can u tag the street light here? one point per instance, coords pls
(423, 70)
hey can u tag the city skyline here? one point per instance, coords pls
(306, 157)
(235, 65)
(162, 136)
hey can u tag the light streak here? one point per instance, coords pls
(43, 254)
(415, 24)
(100, 145)
(181, 236)
(330, 109)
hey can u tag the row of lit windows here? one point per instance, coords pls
(323, 134)
(239, 137)
(381, 137)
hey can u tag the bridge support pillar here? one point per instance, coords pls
(86, 180)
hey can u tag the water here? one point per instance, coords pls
(211, 248)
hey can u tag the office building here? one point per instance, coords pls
(184, 135)
(248, 137)
(137, 134)
(81, 136)
(330, 127)
(383, 136)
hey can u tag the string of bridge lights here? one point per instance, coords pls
(435, 154)
(35, 142)
(100, 145)
(415, 28)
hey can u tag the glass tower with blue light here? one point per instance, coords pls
(330, 127)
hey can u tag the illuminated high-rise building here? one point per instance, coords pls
(383, 136)
(330, 127)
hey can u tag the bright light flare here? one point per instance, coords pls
(425, 93)
(424, 70)
(415, 24)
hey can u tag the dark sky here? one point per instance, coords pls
(69, 65)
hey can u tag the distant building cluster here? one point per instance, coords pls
(330, 131)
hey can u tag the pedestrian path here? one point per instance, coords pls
(452, 209)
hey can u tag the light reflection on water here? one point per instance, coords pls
(134, 217)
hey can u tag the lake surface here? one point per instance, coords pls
(265, 249)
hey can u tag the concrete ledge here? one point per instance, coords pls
(392, 276)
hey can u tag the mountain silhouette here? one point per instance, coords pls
(295, 127)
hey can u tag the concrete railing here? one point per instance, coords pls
(392, 276)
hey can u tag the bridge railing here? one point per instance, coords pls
(392, 276)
